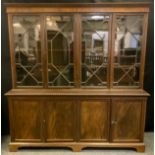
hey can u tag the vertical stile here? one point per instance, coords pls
(12, 57)
(44, 52)
(109, 54)
(77, 49)
(111, 77)
(143, 52)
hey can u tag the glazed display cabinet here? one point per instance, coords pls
(77, 75)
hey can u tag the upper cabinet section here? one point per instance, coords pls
(78, 45)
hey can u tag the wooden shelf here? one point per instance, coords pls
(77, 92)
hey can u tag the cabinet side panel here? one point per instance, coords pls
(143, 119)
(10, 106)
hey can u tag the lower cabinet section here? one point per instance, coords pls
(77, 122)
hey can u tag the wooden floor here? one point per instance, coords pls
(149, 136)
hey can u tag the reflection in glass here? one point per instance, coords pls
(27, 50)
(127, 50)
(94, 50)
(60, 50)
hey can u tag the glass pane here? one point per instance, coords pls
(127, 50)
(27, 50)
(95, 31)
(60, 50)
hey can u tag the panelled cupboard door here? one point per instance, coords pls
(126, 120)
(94, 118)
(27, 120)
(59, 118)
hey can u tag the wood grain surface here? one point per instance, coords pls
(94, 120)
(59, 117)
(125, 119)
(27, 120)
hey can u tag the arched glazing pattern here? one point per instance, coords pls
(60, 50)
